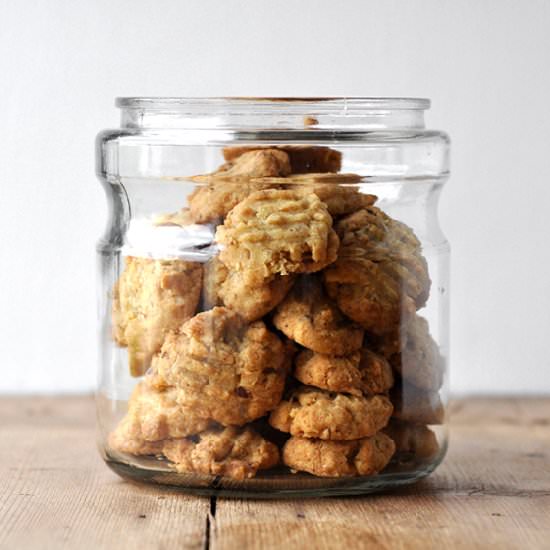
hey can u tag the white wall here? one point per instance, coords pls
(485, 64)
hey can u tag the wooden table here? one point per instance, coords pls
(493, 491)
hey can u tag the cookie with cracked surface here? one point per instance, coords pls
(277, 232)
(314, 413)
(309, 318)
(413, 440)
(230, 289)
(151, 298)
(226, 369)
(153, 416)
(416, 406)
(302, 158)
(232, 452)
(361, 457)
(362, 372)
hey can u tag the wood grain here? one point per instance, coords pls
(493, 491)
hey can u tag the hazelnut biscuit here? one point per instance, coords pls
(237, 453)
(362, 372)
(151, 298)
(413, 439)
(277, 232)
(416, 406)
(228, 288)
(153, 416)
(361, 457)
(309, 318)
(226, 369)
(314, 413)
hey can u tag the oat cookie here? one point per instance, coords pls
(309, 318)
(419, 362)
(151, 298)
(314, 413)
(390, 243)
(362, 372)
(234, 181)
(361, 457)
(369, 290)
(232, 452)
(230, 289)
(277, 232)
(417, 406)
(153, 416)
(414, 440)
(303, 158)
(226, 369)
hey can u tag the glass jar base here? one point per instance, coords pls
(274, 484)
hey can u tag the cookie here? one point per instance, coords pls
(237, 453)
(413, 354)
(226, 369)
(309, 318)
(151, 298)
(416, 406)
(362, 372)
(390, 243)
(230, 289)
(302, 158)
(413, 440)
(368, 291)
(361, 457)
(314, 413)
(277, 232)
(234, 181)
(153, 416)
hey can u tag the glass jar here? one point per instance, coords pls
(273, 298)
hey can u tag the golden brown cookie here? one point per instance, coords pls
(414, 440)
(362, 372)
(153, 416)
(302, 158)
(226, 369)
(417, 406)
(232, 452)
(230, 289)
(314, 413)
(277, 232)
(151, 298)
(233, 182)
(308, 317)
(340, 199)
(380, 278)
(390, 243)
(361, 457)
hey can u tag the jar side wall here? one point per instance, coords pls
(147, 235)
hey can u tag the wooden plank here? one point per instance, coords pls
(56, 492)
(493, 491)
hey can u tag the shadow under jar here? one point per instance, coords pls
(273, 295)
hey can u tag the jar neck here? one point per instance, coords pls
(311, 114)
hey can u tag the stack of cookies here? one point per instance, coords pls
(305, 317)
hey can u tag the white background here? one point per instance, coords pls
(485, 65)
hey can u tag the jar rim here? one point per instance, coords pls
(336, 104)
